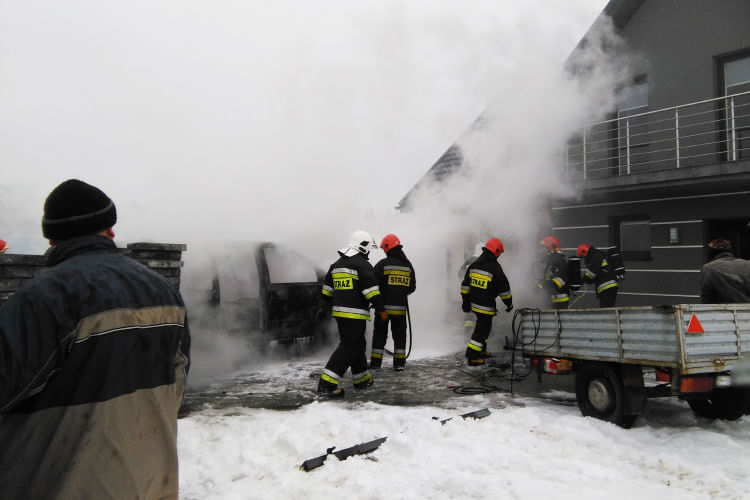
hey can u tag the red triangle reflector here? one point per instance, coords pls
(694, 326)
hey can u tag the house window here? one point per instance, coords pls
(633, 236)
(632, 130)
(736, 78)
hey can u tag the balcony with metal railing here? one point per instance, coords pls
(704, 133)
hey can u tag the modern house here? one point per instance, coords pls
(670, 169)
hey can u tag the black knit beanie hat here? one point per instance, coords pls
(75, 208)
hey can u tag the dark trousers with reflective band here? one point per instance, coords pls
(607, 297)
(380, 336)
(480, 336)
(351, 351)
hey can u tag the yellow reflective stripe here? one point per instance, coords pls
(328, 378)
(327, 292)
(371, 294)
(468, 324)
(560, 299)
(558, 282)
(464, 290)
(590, 275)
(472, 345)
(606, 286)
(506, 296)
(345, 271)
(339, 314)
(480, 311)
(344, 276)
(396, 268)
(399, 355)
(376, 355)
(393, 312)
(363, 378)
(480, 272)
(397, 273)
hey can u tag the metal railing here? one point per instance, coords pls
(699, 133)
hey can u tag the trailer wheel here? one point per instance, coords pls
(600, 394)
(726, 404)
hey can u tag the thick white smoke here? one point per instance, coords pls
(297, 122)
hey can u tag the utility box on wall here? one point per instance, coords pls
(164, 258)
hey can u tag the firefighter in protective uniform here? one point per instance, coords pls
(349, 287)
(396, 279)
(555, 279)
(599, 272)
(483, 282)
(469, 322)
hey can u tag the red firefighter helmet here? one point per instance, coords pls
(3, 246)
(551, 243)
(583, 250)
(495, 246)
(390, 241)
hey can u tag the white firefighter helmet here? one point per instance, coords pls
(359, 242)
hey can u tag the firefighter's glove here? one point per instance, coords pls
(321, 313)
(509, 308)
(383, 315)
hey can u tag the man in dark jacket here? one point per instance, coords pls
(94, 355)
(350, 287)
(483, 282)
(555, 279)
(396, 280)
(600, 273)
(724, 279)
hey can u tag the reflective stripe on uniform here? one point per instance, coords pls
(376, 353)
(483, 309)
(344, 272)
(606, 286)
(559, 282)
(360, 377)
(476, 346)
(563, 297)
(464, 290)
(330, 376)
(400, 270)
(505, 295)
(480, 271)
(395, 310)
(371, 292)
(350, 312)
(327, 290)
(399, 354)
(590, 275)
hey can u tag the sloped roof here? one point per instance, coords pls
(621, 11)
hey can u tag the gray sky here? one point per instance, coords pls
(247, 118)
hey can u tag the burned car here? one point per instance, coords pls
(264, 291)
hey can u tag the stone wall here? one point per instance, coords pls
(164, 258)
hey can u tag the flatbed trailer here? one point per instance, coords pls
(695, 350)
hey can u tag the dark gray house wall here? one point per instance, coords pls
(678, 41)
(680, 188)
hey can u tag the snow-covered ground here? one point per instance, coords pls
(527, 448)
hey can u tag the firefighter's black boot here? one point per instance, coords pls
(364, 384)
(330, 390)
